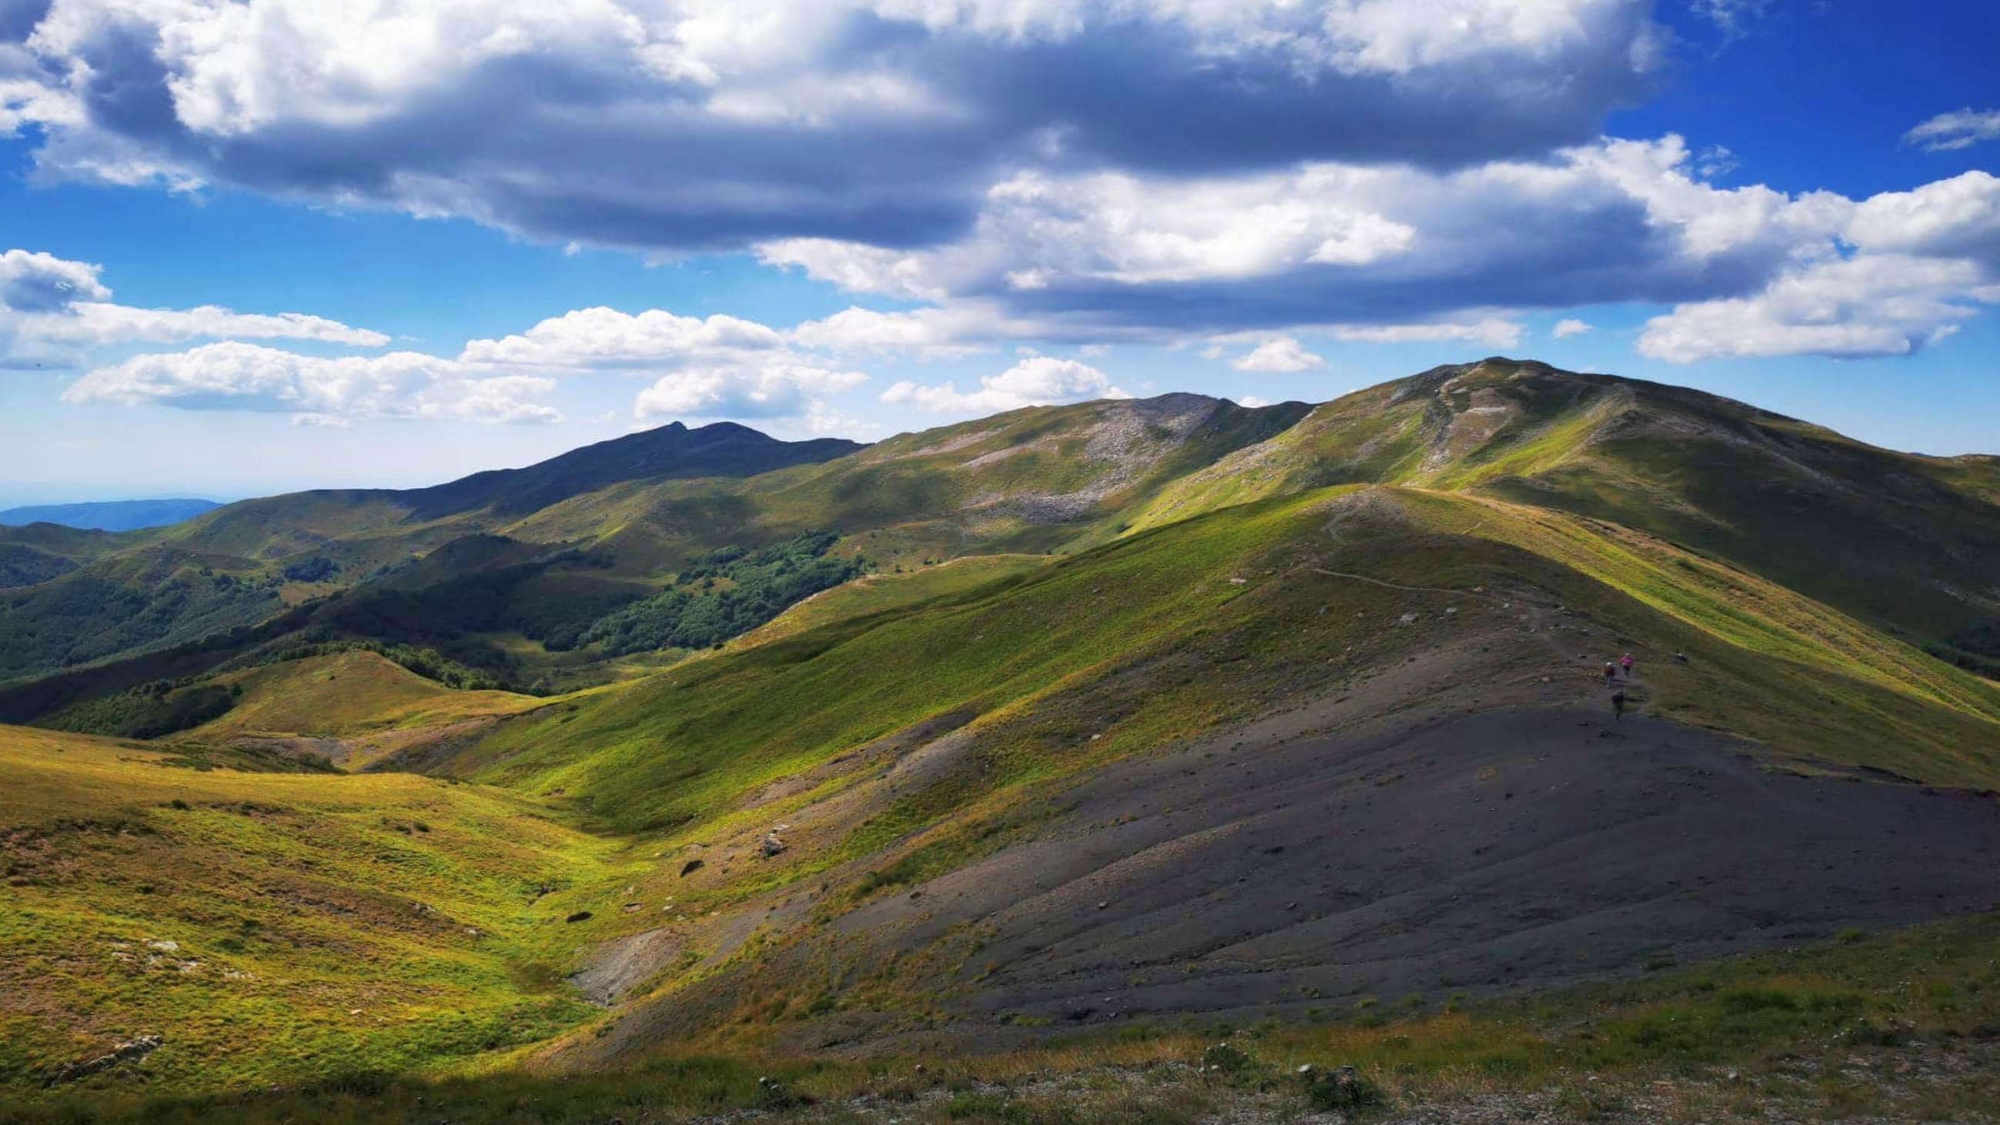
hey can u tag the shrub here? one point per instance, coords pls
(1340, 1090)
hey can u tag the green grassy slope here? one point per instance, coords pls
(1132, 646)
(345, 694)
(470, 567)
(272, 928)
(892, 593)
(1049, 675)
(134, 602)
(1902, 541)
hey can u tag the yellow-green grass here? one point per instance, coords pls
(1152, 640)
(272, 928)
(348, 693)
(1821, 1032)
(1894, 539)
(1766, 662)
(887, 593)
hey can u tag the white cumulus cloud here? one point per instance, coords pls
(253, 377)
(1040, 381)
(1570, 326)
(54, 312)
(1872, 305)
(783, 389)
(1281, 354)
(602, 338)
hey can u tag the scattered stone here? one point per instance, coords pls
(579, 916)
(771, 846)
(125, 1052)
(163, 946)
(1407, 619)
(1451, 611)
(690, 867)
(1239, 582)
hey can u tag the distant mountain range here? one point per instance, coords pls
(109, 515)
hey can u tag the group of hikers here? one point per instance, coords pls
(1618, 673)
(1613, 670)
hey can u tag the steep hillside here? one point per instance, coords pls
(1029, 480)
(934, 774)
(86, 597)
(283, 526)
(1902, 541)
(139, 600)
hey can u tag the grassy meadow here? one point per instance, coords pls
(272, 927)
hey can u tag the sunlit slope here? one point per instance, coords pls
(892, 593)
(1902, 541)
(270, 927)
(1161, 624)
(1028, 480)
(1793, 671)
(891, 748)
(345, 694)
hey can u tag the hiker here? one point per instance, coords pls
(1618, 705)
(1625, 663)
(1610, 673)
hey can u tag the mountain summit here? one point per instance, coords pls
(673, 451)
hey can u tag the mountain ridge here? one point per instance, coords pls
(1121, 715)
(109, 515)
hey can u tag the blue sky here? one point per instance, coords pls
(257, 246)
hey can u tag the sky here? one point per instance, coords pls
(252, 246)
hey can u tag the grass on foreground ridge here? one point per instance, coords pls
(1904, 1024)
(271, 927)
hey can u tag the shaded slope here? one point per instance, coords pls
(149, 598)
(722, 449)
(22, 565)
(281, 526)
(104, 597)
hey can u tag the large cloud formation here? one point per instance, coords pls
(710, 123)
(1073, 171)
